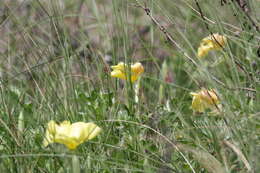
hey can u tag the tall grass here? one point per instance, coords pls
(55, 65)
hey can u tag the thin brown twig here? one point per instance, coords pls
(236, 62)
(213, 101)
(203, 17)
(170, 38)
(244, 7)
(164, 31)
(81, 2)
(206, 24)
(230, 88)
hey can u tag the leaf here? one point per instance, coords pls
(205, 159)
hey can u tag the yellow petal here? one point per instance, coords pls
(69, 134)
(119, 66)
(218, 40)
(197, 105)
(209, 96)
(204, 99)
(48, 139)
(65, 123)
(62, 134)
(119, 71)
(212, 42)
(50, 133)
(134, 78)
(91, 130)
(137, 68)
(118, 74)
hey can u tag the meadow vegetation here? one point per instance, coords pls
(183, 112)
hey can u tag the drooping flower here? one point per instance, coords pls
(204, 99)
(120, 71)
(69, 134)
(212, 42)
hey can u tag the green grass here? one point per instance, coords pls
(55, 62)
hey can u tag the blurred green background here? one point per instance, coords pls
(55, 59)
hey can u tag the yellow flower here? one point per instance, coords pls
(69, 134)
(204, 99)
(119, 71)
(212, 42)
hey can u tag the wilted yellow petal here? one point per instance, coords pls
(69, 134)
(119, 71)
(212, 42)
(204, 99)
(209, 96)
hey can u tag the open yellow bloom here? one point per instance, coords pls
(212, 42)
(69, 134)
(204, 99)
(119, 71)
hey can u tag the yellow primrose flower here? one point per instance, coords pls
(204, 99)
(69, 134)
(212, 42)
(119, 71)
